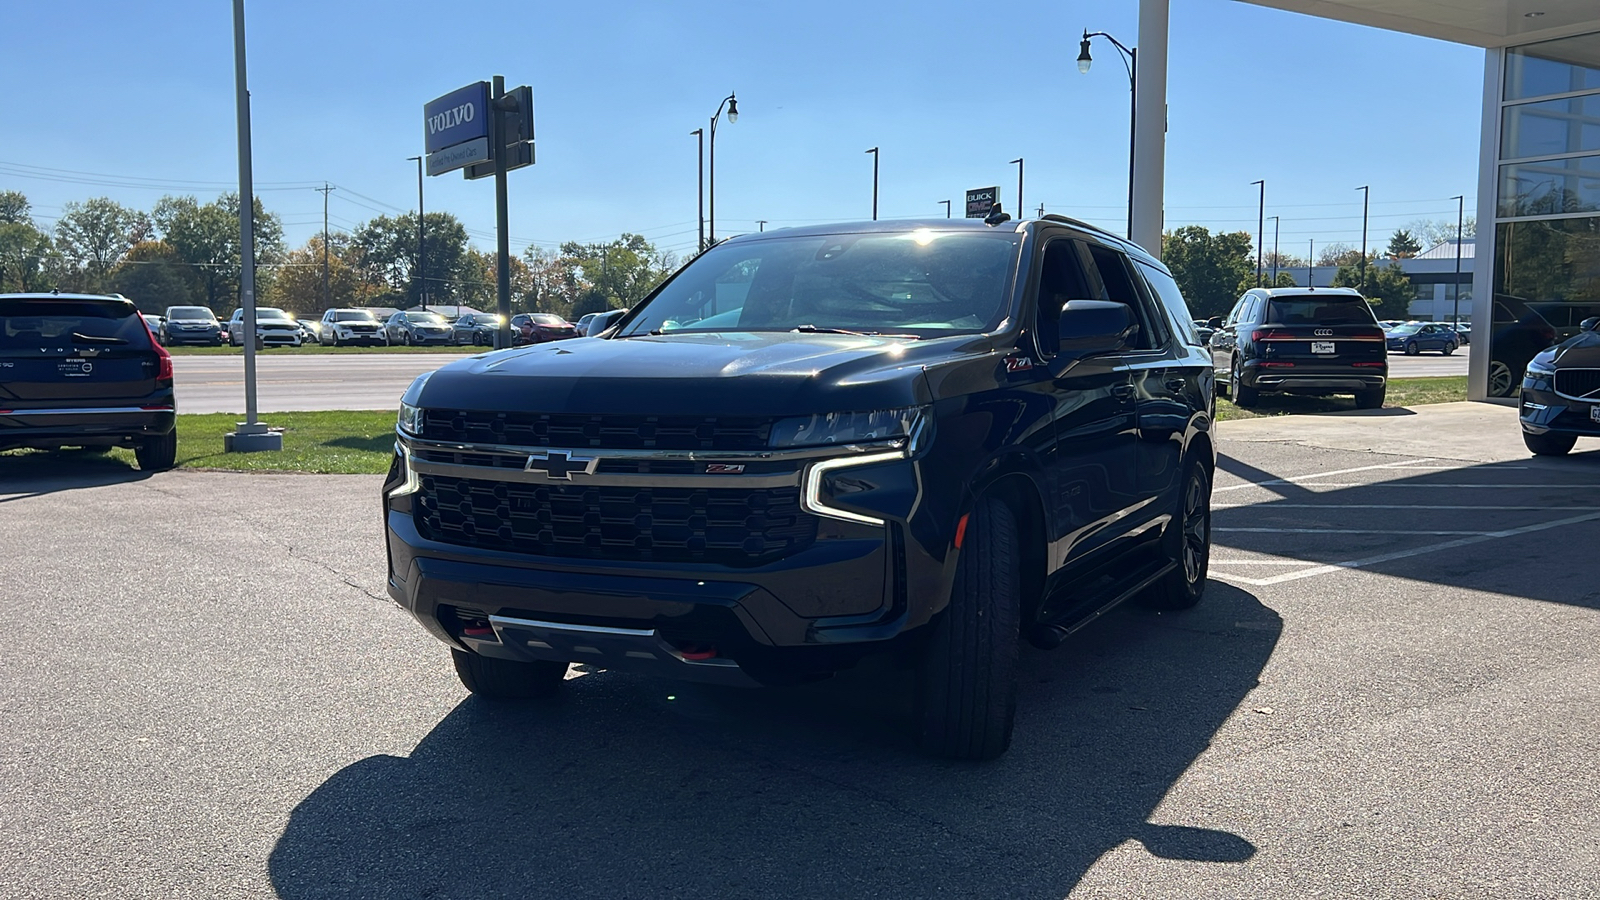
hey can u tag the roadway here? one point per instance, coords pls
(212, 384)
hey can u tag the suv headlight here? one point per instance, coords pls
(846, 427)
(1541, 368)
(410, 420)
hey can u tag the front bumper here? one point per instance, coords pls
(801, 615)
(1542, 411)
(175, 338)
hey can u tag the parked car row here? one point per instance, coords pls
(366, 326)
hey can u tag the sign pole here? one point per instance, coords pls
(503, 239)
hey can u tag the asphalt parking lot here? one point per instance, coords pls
(1390, 690)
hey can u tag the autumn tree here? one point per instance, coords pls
(154, 277)
(93, 236)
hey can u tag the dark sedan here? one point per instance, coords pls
(539, 328)
(83, 370)
(476, 329)
(1414, 337)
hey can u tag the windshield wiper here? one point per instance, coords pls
(817, 329)
(96, 339)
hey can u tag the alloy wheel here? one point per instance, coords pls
(1196, 528)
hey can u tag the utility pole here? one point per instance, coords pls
(1261, 227)
(1366, 194)
(1275, 251)
(325, 190)
(1311, 263)
(500, 103)
(1041, 210)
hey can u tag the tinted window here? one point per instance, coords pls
(189, 313)
(920, 282)
(547, 319)
(353, 317)
(1060, 280)
(1309, 310)
(1172, 300)
(1117, 281)
(84, 323)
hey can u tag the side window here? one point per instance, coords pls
(1061, 279)
(1118, 285)
(1181, 322)
(1252, 312)
(1235, 314)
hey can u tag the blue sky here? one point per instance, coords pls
(950, 91)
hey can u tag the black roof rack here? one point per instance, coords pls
(1079, 223)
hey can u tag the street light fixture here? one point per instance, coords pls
(1130, 61)
(732, 105)
(1366, 195)
(946, 208)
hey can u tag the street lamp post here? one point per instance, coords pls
(422, 259)
(1455, 288)
(1130, 61)
(874, 152)
(761, 225)
(1261, 227)
(946, 208)
(1366, 194)
(732, 105)
(1018, 163)
(700, 185)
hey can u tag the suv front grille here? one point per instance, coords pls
(583, 431)
(740, 527)
(1583, 383)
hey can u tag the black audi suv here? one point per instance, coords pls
(1317, 341)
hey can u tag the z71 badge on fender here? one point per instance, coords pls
(1018, 363)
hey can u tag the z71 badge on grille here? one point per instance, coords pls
(724, 468)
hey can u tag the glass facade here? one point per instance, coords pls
(1547, 230)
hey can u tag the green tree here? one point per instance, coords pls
(153, 277)
(1385, 285)
(1284, 280)
(1432, 232)
(15, 209)
(93, 236)
(555, 282)
(1402, 245)
(388, 246)
(297, 284)
(618, 274)
(1209, 268)
(206, 238)
(25, 253)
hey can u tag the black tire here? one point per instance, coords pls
(1187, 542)
(1412, 349)
(159, 453)
(1244, 397)
(1549, 443)
(966, 699)
(1372, 399)
(504, 679)
(1448, 349)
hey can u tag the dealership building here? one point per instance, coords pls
(1536, 263)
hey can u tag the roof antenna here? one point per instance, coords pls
(996, 215)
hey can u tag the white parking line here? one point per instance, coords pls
(1414, 551)
(1404, 484)
(1269, 505)
(1296, 479)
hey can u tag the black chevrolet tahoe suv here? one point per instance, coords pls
(1316, 341)
(1561, 393)
(933, 439)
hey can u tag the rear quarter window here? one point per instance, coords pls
(1182, 323)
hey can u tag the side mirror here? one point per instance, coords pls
(1214, 323)
(1590, 324)
(1092, 327)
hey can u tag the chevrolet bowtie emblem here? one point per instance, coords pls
(558, 465)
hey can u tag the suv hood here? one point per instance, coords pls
(733, 373)
(1581, 351)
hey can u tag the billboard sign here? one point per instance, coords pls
(980, 201)
(519, 136)
(458, 117)
(459, 156)
(517, 156)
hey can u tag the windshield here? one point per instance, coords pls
(547, 319)
(24, 324)
(187, 313)
(430, 318)
(925, 283)
(362, 316)
(1405, 329)
(1332, 310)
(267, 312)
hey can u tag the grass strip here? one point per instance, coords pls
(1402, 392)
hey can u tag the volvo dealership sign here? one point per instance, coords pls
(457, 128)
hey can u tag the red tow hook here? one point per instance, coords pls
(477, 631)
(697, 652)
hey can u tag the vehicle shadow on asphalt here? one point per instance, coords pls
(36, 473)
(627, 787)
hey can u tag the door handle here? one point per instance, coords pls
(1175, 384)
(1122, 391)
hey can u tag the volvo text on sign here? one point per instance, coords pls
(459, 116)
